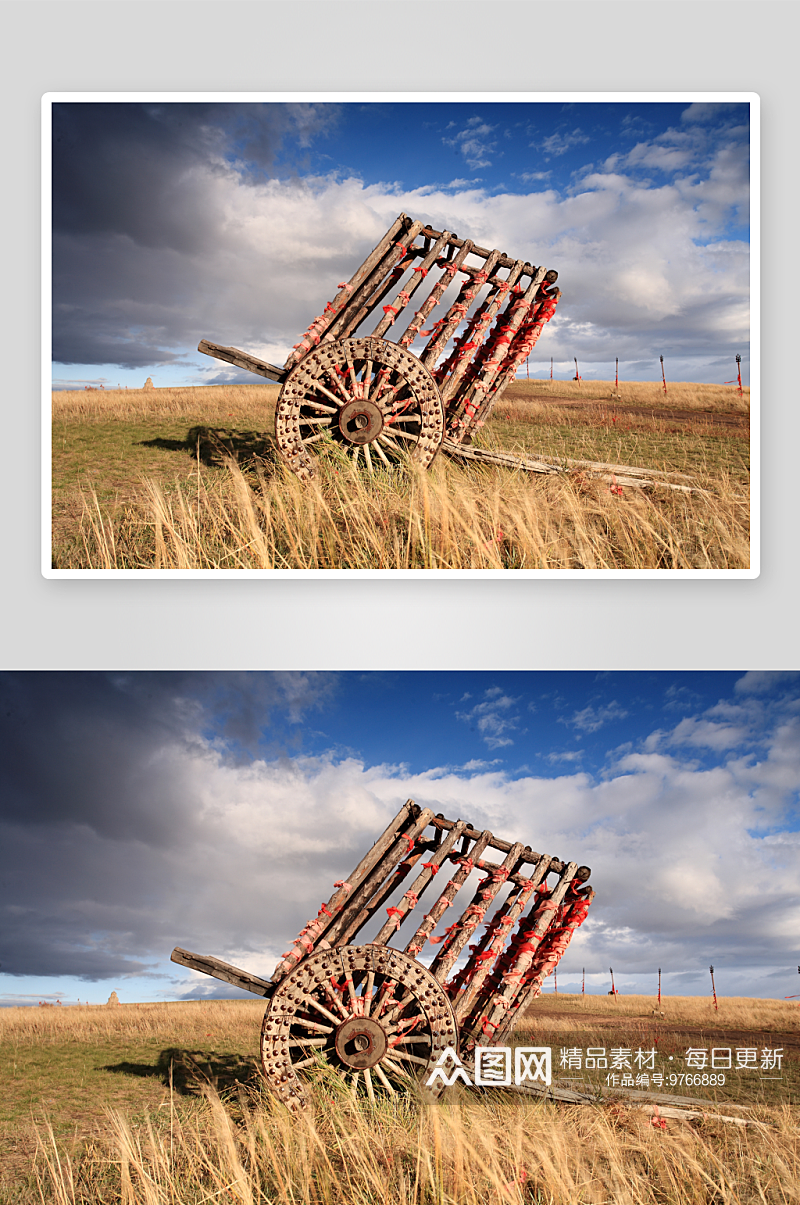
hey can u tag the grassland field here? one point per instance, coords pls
(189, 478)
(164, 1104)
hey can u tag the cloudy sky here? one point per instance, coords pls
(177, 221)
(215, 810)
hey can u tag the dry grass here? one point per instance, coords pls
(734, 1012)
(206, 1138)
(464, 1152)
(682, 395)
(215, 403)
(134, 490)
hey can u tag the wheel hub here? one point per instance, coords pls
(360, 421)
(361, 1042)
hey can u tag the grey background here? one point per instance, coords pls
(373, 46)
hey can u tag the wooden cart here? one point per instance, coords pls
(371, 395)
(372, 1012)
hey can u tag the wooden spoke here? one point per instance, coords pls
(313, 1025)
(382, 1077)
(313, 404)
(401, 434)
(410, 1058)
(370, 1089)
(312, 1003)
(376, 447)
(367, 378)
(368, 992)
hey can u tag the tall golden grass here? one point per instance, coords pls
(449, 518)
(259, 516)
(463, 1151)
(241, 1146)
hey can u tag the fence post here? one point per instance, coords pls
(714, 990)
(663, 378)
(739, 375)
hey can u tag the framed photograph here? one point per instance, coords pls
(400, 334)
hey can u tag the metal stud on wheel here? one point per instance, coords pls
(373, 399)
(373, 1014)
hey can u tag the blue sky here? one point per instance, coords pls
(178, 221)
(215, 810)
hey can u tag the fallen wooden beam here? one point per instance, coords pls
(624, 475)
(223, 970)
(658, 1104)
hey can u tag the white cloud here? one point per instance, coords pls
(706, 734)
(592, 719)
(559, 144)
(629, 257)
(760, 681)
(493, 718)
(474, 143)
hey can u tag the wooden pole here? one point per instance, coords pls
(583, 981)
(551, 368)
(663, 378)
(739, 372)
(659, 985)
(714, 990)
(555, 980)
(616, 375)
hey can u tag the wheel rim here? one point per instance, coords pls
(373, 1015)
(371, 398)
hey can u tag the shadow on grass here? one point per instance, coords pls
(215, 445)
(192, 1069)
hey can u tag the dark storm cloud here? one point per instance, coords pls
(103, 848)
(128, 168)
(135, 218)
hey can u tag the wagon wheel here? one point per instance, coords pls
(371, 398)
(372, 1014)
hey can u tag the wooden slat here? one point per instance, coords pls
(344, 298)
(222, 970)
(527, 855)
(347, 895)
(375, 289)
(242, 359)
(504, 261)
(361, 904)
